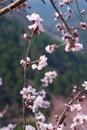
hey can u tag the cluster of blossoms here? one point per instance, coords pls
(9, 127)
(34, 100)
(40, 102)
(78, 120)
(40, 119)
(48, 78)
(70, 38)
(45, 126)
(36, 27)
(28, 93)
(72, 42)
(69, 33)
(38, 64)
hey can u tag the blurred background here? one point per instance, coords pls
(71, 67)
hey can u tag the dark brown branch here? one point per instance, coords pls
(11, 6)
(63, 115)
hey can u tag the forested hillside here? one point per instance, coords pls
(71, 67)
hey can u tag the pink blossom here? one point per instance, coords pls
(73, 47)
(78, 120)
(83, 11)
(42, 93)
(40, 63)
(50, 126)
(9, 127)
(34, 18)
(28, 93)
(39, 102)
(44, 126)
(1, 114)
(60, 27)
(26, 36)
(39, 117)
(56, 16)
(36, 28)
(69, 10)
(24, 92)
(76, 89)
(85, 85)
(74, 107)
(25, 62)
(84, 25)
(48, 78)
(51, 48)
(61, 4)
(77, 107)
(29, 127)
(1, 81)
(68, 1)
(72, 42)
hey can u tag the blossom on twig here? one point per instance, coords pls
(40, 63)
(37, 26)
(48, 78)
(51, 48)
(25, 62)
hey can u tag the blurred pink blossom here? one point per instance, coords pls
(29, 127)
(85, 85)
(51, 48)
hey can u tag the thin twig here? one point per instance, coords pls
(25, 83)
(79, 10)
(29, 43)
(63, 20)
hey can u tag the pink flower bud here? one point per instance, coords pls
(26, 36)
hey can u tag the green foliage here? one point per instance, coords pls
(10, 54)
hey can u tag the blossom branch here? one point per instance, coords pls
(63, 20)
(63, 115)
(11, 6)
